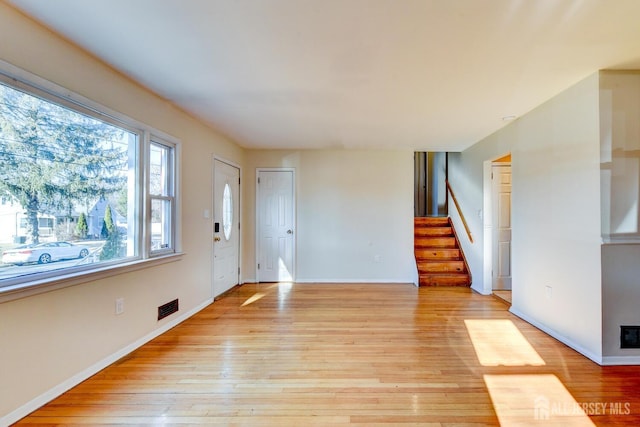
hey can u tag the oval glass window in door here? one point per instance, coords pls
(227, 211)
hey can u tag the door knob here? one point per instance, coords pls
(216, 239)
(289, 231)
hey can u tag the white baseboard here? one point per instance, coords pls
(620, 360)
(334, 281)
(481, 291)
(363, 281)
(588, 354)
(66, 385)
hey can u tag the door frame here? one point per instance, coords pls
(487, 221)
(294, 216)
(212, 219)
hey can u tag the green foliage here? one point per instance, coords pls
(104, 233)
(111, 234)
(82, 228)
(52, 157)
(112, 247)
(107, 223)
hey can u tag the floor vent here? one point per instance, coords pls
(166, 309)
(629, 336)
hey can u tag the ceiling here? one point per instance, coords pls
(427, 75)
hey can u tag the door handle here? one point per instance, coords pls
(216, 239)
(289, 231)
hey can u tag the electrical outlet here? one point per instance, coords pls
(549, 292)
(119, 305)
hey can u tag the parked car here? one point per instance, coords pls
(43, 253)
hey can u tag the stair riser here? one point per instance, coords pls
(437, 254)
(441, 267)
(434, 242)
(427, 284)
(434, 280)
(433, 232)
(431, 221)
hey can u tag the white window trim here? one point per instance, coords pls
(35, 287)
(19, 78)
(149, 252)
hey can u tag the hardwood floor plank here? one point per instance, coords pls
(347, 354)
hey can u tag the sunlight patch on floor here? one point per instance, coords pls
(498, 342)
(253, 298)
(538, 399)
(259, 295)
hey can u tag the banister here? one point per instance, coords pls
(455, 202)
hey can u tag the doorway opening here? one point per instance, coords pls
(497, 222)
(430, 184)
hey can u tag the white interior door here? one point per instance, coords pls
(276, 240)
(501, 197)
(226, 231)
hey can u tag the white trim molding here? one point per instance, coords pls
(587, 353)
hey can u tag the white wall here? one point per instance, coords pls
(466, 175)
(556, 218)
(351, 207)
(50, 340)
(555, 213)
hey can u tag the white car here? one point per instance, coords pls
(43, 253)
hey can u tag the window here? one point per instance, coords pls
(227, 211)
(161, 196)
(74, 178)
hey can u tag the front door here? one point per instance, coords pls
(275, 253)
(226, 222)
(501, 197)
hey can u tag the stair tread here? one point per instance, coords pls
(443, 274)
(427, 239)
(444, 261)
(442, 266)
(433, 231)
(440, 270)
(431, 220)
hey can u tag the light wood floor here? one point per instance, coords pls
(332, 355)
(503, 295)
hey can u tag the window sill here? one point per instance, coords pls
(27, 289)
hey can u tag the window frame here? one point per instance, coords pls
(169, 197)
(22, 286)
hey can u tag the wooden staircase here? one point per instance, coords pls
(438, 256)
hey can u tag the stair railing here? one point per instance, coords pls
(455, 202)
